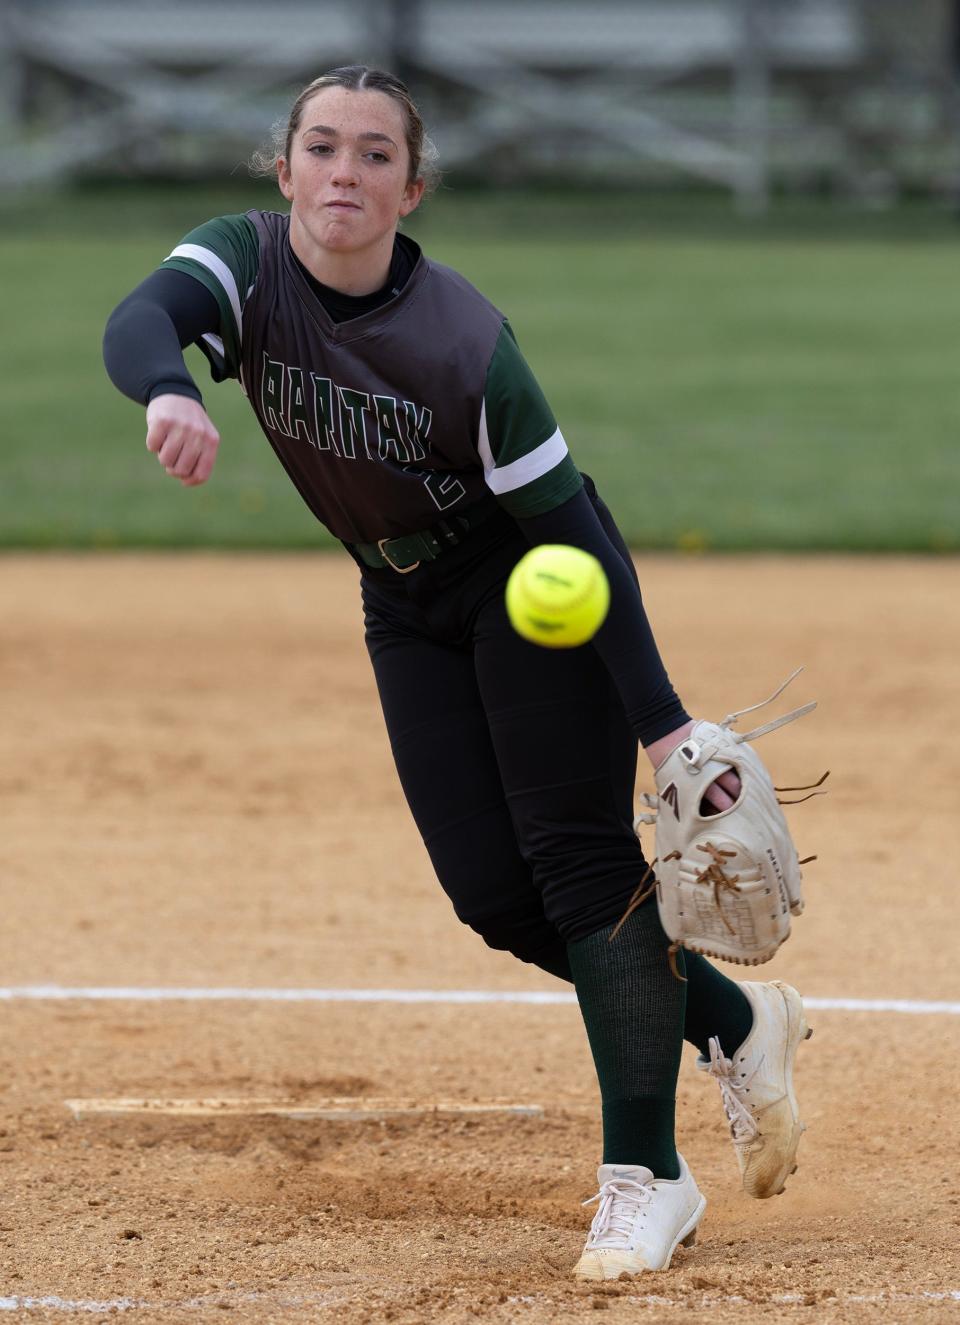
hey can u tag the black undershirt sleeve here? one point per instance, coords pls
(625, 641)
(146, 333)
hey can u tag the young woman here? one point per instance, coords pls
(400, 405)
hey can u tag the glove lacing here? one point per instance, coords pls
(774, 723)
(614, 1224)
(743, 1125)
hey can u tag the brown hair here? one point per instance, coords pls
(356, 77)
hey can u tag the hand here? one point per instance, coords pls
(722, 792)
(181, 436)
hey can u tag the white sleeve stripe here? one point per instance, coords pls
(483, 442)
(218, 268)
(214, 342)
(536, 463)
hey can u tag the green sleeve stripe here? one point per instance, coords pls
(544, 493)
(516, 418)
(206, 258)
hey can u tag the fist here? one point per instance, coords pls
(181, 436)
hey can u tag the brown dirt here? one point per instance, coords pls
(197, 791)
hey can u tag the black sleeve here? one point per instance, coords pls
(146, 333)
(625, 641)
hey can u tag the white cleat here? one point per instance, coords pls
(756, 1086)
(640, 1222)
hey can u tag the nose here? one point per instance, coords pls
(344, 171)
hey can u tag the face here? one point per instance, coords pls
(347, 174)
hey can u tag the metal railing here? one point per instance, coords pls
(728, 91)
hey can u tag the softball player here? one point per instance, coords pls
(398, 401)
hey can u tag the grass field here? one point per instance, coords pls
(785, 386)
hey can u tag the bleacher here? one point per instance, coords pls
(554, 34)
(133, 80)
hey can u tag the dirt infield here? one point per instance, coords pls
(197, 792)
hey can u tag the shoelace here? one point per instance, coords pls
(743, 1125)
(613, 1224)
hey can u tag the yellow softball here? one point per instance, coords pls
(557, 596)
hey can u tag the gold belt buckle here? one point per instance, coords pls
(401, 570)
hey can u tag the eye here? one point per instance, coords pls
(378, 156)
(320, 148)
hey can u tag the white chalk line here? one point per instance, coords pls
(537, 997)
(52, 1302)
(337, 1299)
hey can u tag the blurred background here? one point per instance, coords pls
(724, 230)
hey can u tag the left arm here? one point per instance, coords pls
(529, 469)
(625, 641)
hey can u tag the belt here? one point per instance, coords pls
(405, 553)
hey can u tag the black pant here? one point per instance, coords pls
(517, 761)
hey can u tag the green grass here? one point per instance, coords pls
(729, 385)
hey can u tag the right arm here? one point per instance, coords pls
(143, 353)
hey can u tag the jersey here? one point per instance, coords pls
(390, 420)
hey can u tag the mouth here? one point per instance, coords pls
(341, 204)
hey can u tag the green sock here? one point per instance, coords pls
(715, 1006)
(632, 1006)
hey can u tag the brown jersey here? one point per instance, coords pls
(390, 420)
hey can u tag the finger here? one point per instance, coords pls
(723, 791)
(169, 453)
(716, 797)
(187, 472)
(157, 435)
(204, 466)
(186, 461)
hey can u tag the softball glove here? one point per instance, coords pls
(727, 881)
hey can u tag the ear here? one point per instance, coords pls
(284, 178)
(411, 197)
